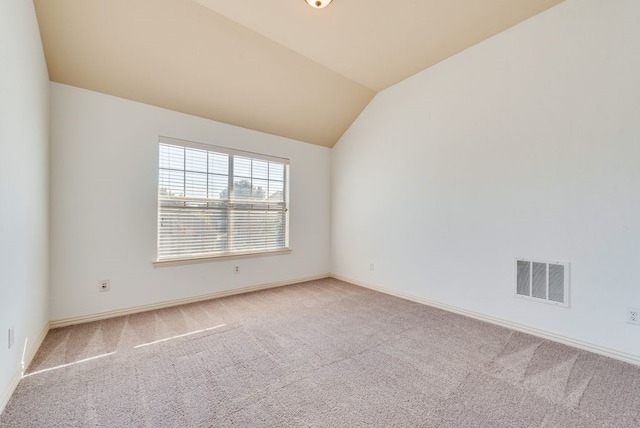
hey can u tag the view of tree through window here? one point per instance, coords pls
(214, 201)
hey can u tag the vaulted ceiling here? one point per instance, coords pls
(277, 66)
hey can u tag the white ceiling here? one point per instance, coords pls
(277, 66)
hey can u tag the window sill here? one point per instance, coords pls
(207, 259)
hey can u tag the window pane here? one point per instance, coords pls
(241, 167)
(276, 191)
(219, 163)
(259, 190)
(196, 185)
(171, 156)
(218, 186)
(171, 183)
(241, 189)
(196, 160)
(260, 169)
(276, 171)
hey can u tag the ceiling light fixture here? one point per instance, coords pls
(318, 4)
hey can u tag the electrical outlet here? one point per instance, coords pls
(633, 316)
(372, 267)
(236, 269)
(12, 337)
(104, 285)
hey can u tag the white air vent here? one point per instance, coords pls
(546, 282)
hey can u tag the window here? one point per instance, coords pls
(214, 201)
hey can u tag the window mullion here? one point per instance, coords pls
(184, 173)
(249, 234)
(207, 177)
(229, 209)
(285, 190)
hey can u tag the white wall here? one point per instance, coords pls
(104, 170)
(24, 194)
(526, 145)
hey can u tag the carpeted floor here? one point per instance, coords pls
(321, 354)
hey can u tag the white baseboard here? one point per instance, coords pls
(5, 396)
(28, 358)
(597, 349)
(8, 391)
(167, 304)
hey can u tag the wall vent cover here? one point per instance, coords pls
(543, 281)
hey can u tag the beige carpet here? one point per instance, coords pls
(321, 354)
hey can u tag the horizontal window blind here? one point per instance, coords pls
(214, 201)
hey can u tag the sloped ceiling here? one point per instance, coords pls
(277, 66)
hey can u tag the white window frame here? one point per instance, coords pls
(231, 204)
